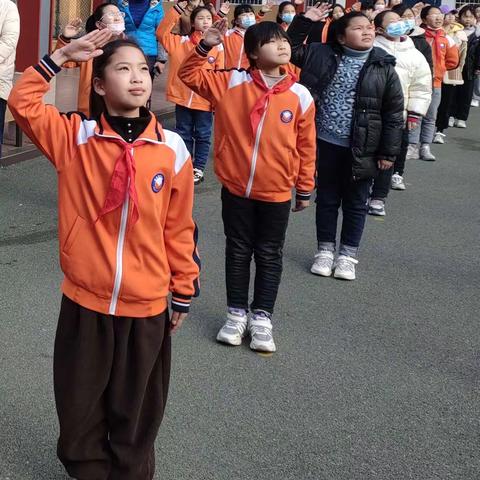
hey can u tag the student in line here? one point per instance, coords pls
(416, 80)
(264, 147)
(445, 56)
(359, 122)
(127, 239)
(193, 114)
(471, 69)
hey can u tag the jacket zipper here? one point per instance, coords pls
(255, 152)
(357, 97)
(240, 58)
(119, 255)
(190, 101)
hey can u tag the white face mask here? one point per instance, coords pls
(116, 28)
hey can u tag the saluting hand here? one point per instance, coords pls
(214, 35)
(84, 48)
(319, 12)
(72, 28)
(225, 8)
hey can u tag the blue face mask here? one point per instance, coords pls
(246, 22)
(410, 24)
(397, 29)
(288, 17)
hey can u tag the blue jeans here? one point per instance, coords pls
(195, 128)
(335, 188)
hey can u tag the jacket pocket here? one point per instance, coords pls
(73, 234)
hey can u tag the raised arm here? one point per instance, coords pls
(165, 36)
(52, 132)
(300, 28)
(209, 84)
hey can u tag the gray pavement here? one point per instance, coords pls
(374, 379)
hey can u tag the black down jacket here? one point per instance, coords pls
(378, 117)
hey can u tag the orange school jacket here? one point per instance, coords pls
(178, 47)
(445, 54)
(279, 156)
(109, 267)
(234, 49)
(84, 81)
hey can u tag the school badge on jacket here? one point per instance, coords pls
(157, 182)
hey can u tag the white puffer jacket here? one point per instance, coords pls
(9, 33)
(414, 73)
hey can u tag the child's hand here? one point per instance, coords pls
(267, 7)
(384, 164)
(73, 28)
(183, 4)
(84, 48)
(319, 12)
(176, 321)
(417, 8)
(214, 35)
(300, 205)
(225, 8)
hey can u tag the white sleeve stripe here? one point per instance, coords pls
(86, 130)
(175, 142)
(304, 96)
(238, 77)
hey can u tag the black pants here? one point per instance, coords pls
(257, 228)
(463, 98)
(445, 110)
(3, 109)
(335, 188)
(381, 184)
(111, 377)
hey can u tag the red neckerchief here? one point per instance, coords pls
(259, 107)
(195, 37)
(119, 185)
(435, 35)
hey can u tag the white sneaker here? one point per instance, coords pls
(398, 183)
(323, 263)
(451, 122)
(439, 138)
(345, 268)
(260, 328)
(376, 208)
(426, 154)
(412, 152)
(460, 124)
(197, 176)
(475, 103)
(235, 327)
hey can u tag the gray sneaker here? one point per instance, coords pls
(345, 268)
(377, 208)
(260, 328)
(426, 154)
(412, 152)
(235, 327)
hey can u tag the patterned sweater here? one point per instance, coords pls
(335, 113)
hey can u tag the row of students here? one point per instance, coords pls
(135, 216)
(458, 84)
